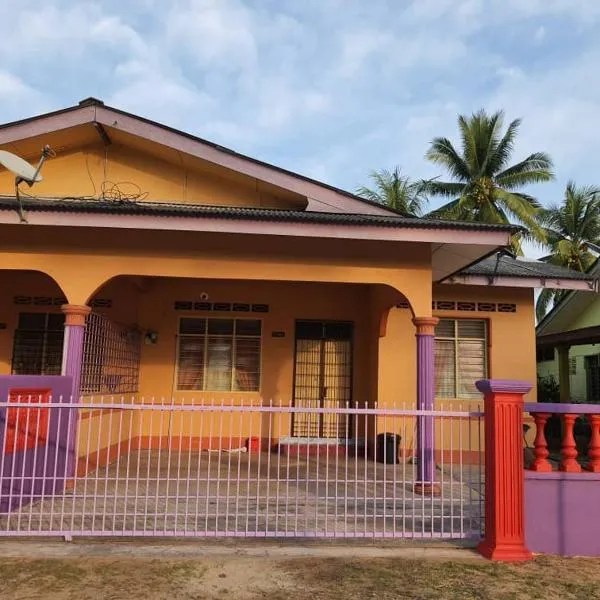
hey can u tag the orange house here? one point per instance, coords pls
(200, 274)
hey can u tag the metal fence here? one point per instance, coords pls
(111, 357)
(147, 467)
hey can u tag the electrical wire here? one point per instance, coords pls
(114, 192)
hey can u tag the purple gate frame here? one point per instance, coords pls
(23, 478)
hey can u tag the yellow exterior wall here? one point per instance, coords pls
(83, 261)
(91, 170)
(590, 317)
(511, 355)
(384, 367)
(104, 430)
(287, 302)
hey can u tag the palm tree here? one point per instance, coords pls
(570, 227)
(395, 190)
(484, 187)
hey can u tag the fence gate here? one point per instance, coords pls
(146, 467)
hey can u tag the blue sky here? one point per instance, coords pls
(328, 88)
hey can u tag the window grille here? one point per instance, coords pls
(573, 365)
(111, 357)
(219, 354)
(592, 367)
(38, 344)
(460, 357)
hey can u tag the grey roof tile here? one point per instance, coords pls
(506, 266)
(243, 213)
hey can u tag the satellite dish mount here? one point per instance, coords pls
(24, 172)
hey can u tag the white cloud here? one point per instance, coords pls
(214, 33)
(540, 34)
(15, 93)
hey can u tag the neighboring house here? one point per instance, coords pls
(568, 345)
(212, 275)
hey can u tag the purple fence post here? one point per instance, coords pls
(75, 317)
(425, 483)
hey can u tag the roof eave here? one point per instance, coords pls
(584, 285)
(231, 224)
(565, 302)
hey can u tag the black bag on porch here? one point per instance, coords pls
(388, 448)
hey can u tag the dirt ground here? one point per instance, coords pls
(237, 577)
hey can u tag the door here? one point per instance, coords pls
(323, 378)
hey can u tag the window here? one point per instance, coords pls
(38, 344)
(219, 354)
(460, 357)
(592, 367)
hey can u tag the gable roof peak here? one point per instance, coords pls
(91, 101)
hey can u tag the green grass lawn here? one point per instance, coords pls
(236, 577)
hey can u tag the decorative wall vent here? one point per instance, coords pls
(467, 306)
(39, 301)
(507, 308)
(57, 301)
(101, 303)
(220, 306)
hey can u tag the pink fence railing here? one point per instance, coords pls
(146, 467)
(567, 437)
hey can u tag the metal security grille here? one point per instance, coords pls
(323, 378)
(38, 344)
(111, 357)
(222, 469)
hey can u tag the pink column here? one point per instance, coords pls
(75, 317)
(425, 483)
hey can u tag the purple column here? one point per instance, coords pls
(75, 317)
(425, 483)
(73, 344)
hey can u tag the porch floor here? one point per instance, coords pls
(212, 494)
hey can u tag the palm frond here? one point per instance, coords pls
(536, 168)
(544, 302)
(521, 208)
(393, 189)
(442, 152)
(497, 160)
(433, 187)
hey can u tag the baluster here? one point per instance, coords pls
(541, 464)
(569, 462)
(594, 448)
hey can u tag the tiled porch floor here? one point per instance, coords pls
(240, 494)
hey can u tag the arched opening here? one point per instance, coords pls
(32, 323)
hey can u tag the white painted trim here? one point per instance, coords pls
(525, 282)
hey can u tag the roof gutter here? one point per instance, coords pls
(584, 285)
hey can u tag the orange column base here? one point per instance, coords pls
(427, 489)
(504, 552)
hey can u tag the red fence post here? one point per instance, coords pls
(504, 473)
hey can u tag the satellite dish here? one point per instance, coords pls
(21, 168)
(23, 171)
